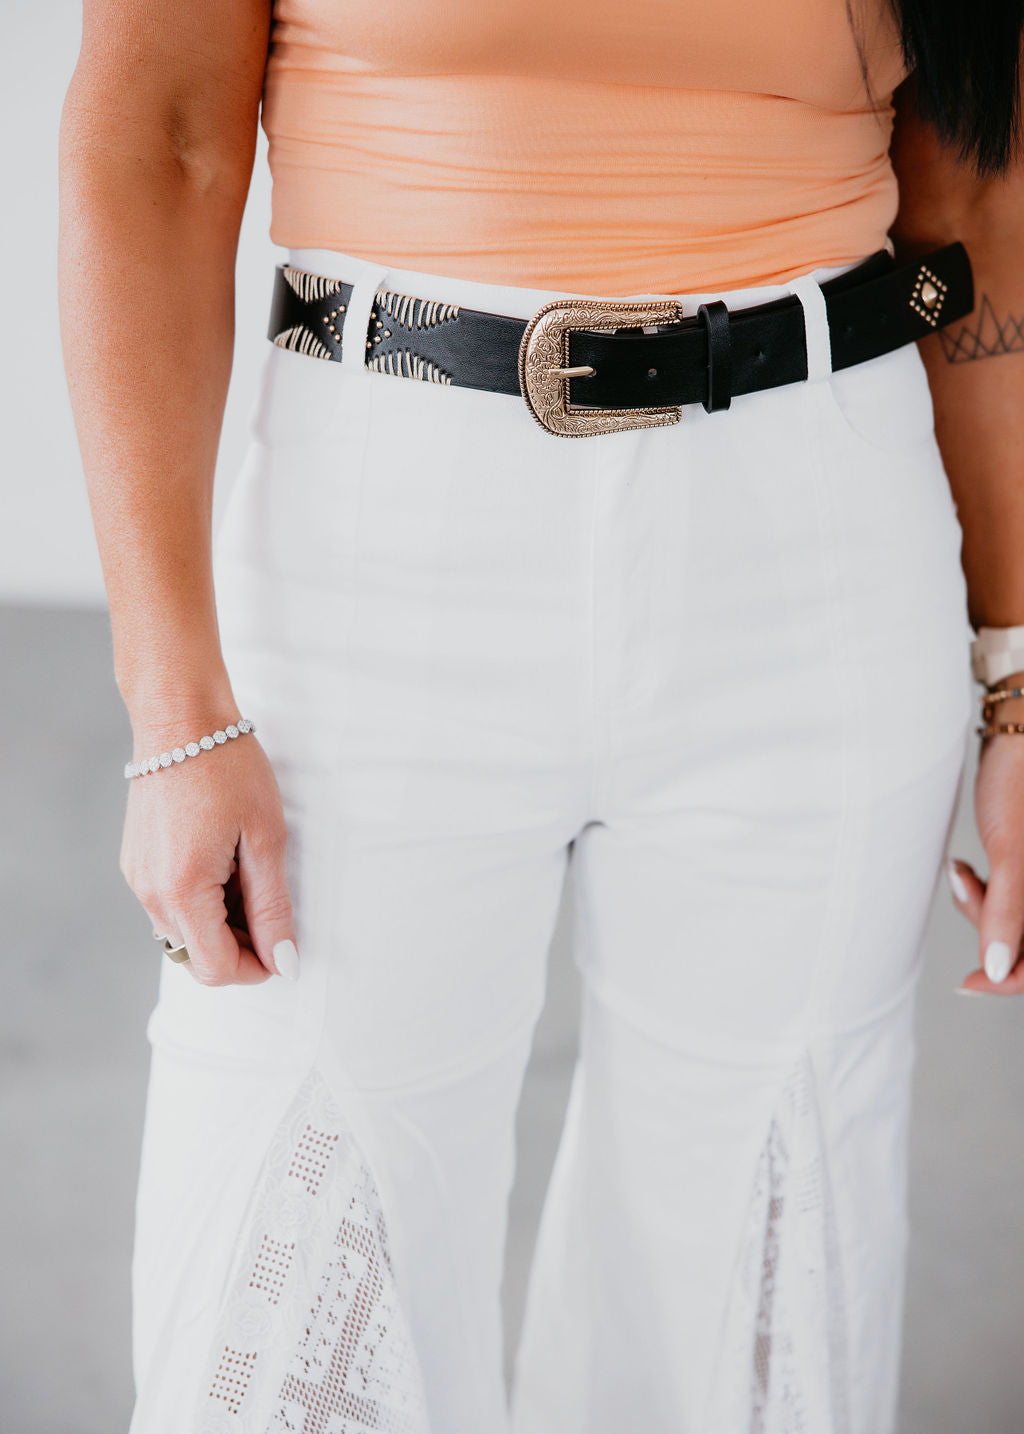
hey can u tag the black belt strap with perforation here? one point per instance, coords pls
(707, 357)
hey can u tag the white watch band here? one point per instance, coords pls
(995, 652)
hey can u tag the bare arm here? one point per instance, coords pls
(976, 374)
(157, 139)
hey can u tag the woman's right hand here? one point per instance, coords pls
(158, 131)
(204, 851)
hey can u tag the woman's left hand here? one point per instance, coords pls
(996, 907)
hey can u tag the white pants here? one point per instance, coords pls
(716, 672)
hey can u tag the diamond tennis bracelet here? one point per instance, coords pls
(190, 749)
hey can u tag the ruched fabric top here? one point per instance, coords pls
(587, 146)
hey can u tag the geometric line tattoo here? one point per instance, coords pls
(988, 339)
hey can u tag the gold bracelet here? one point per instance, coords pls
(991, 731)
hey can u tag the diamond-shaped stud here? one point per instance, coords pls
(928, 296)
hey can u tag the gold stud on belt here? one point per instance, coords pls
(544, 370)
(928, 296)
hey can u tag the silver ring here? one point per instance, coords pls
(176, 953)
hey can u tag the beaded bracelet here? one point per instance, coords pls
(991, 731)
(190, 749)
(1000, 694)
(991, 695)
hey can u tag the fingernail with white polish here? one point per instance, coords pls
(967, 991)
(956, 881)
(286, 959)
(997, 961)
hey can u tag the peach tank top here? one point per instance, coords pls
(640, 146)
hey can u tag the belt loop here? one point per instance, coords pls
(816, 333)
(716, 324)
(368, 280)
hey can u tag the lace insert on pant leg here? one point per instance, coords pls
(312, 1338)
(782, 1367)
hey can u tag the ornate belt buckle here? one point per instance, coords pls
(544, 371)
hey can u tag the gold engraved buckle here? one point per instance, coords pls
(544, 371)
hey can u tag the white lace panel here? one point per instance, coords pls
(312, 1338)
(782, 1363)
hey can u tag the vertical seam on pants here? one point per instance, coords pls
(330, 857)
(848, 701)
(595, 718)
(829, 946)
(851, 721)
(819, 368)
(838, 663)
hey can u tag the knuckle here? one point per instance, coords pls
(160, 886)
(275, 906)
(177, 899)
(208, 975)
(191, 855)
(181, 884)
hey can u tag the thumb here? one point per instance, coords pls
(1001, 926)
(263, 880)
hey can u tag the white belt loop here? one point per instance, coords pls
(357, 317)
(819, 346)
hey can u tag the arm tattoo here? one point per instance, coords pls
(987, 338)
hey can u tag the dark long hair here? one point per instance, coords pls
(966, 61)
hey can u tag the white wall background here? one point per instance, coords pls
(47, 550)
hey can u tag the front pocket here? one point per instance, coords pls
(885, 401)
(299, 397)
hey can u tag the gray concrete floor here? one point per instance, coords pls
(73, 1058)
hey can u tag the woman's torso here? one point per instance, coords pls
(580, 145)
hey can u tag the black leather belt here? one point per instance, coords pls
(628, 363)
